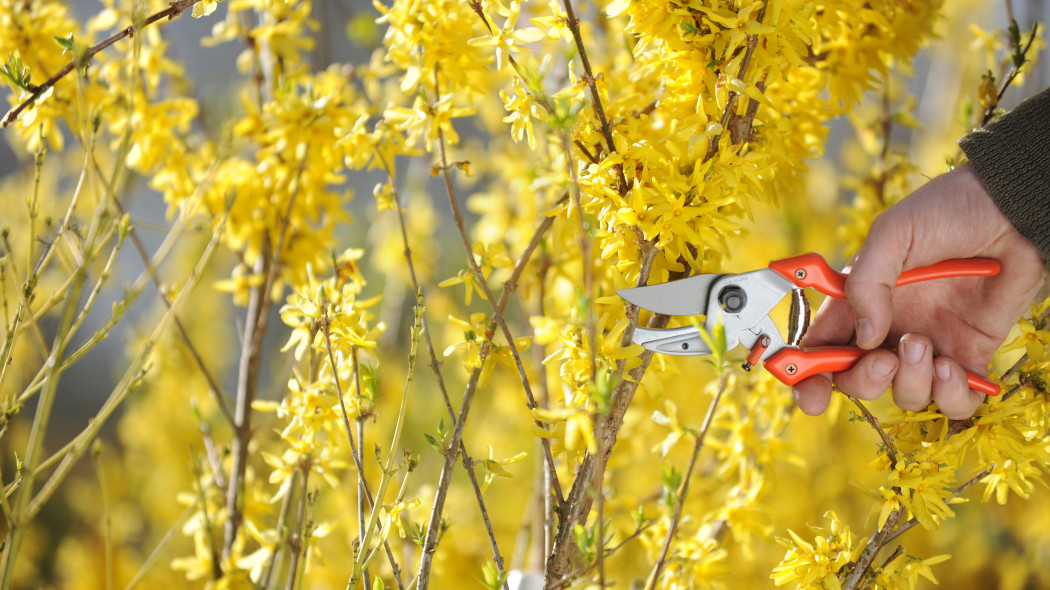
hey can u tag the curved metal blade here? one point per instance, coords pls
(684, 341)
(683, 297)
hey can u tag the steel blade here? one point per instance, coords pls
(682, 297)
(684, 341)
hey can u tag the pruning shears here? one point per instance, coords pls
(742, 303)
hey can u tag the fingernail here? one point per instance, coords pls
(943, 371)
(913, 351)
(881, 368)
(864, 330)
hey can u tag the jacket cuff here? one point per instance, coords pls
(1011, 156)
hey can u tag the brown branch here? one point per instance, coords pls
(872, 549)
(256, 320)
(990, 111)
(430, 542)
(497, 311)
(577, 504)
(654, 577)
(435, 366)
(356, 450)
(173, 10)
(871, 419)
(588, 76)
(567, 580)
(752, 43)
(891, 531)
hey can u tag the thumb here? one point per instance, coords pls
(876, 267)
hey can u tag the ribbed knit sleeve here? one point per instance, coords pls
(1012, 158)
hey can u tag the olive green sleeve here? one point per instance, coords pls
(1012, 158)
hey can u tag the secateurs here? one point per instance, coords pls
(742, 302)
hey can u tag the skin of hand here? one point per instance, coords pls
(938, 327)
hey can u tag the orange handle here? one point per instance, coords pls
(812, 271)
(792, 365)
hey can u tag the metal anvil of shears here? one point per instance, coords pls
(742, 302)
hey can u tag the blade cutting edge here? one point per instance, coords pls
(682, 297)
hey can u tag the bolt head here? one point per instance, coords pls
(800, 274)
(791, 369)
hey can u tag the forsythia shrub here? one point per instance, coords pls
(528, 159)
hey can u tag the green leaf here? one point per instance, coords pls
(15, 72)
(493, 578)
(66, 43)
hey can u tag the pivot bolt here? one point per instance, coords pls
(732, 299)
(800, 274)
(791, 369)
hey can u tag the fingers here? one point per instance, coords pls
(813, 394)
(913, 382)
(951, 392)
(871, 376)
(917, 378)
(869, 285)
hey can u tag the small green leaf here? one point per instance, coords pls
(494, 579)
(15, 72)
(66, 43)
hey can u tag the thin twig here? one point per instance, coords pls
(497, 310)
(891, 450)
(509, 287)
(356, 451)
(296, 542)
(282, 529)
(173, 10)
(435, 366)
(588, 76)
(698, 445)
(989, 112)
(213, 385)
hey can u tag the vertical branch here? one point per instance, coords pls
(872, 549)
(296, 542)
(107, 517)
(588, 76)
(497, 309)
(749, 51)
(362, 505)
(455, 441)
(361, 562)
(698, 445)
(256, 320)
(356, 451)
(435, 366)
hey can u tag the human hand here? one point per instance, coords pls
(938, 327)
